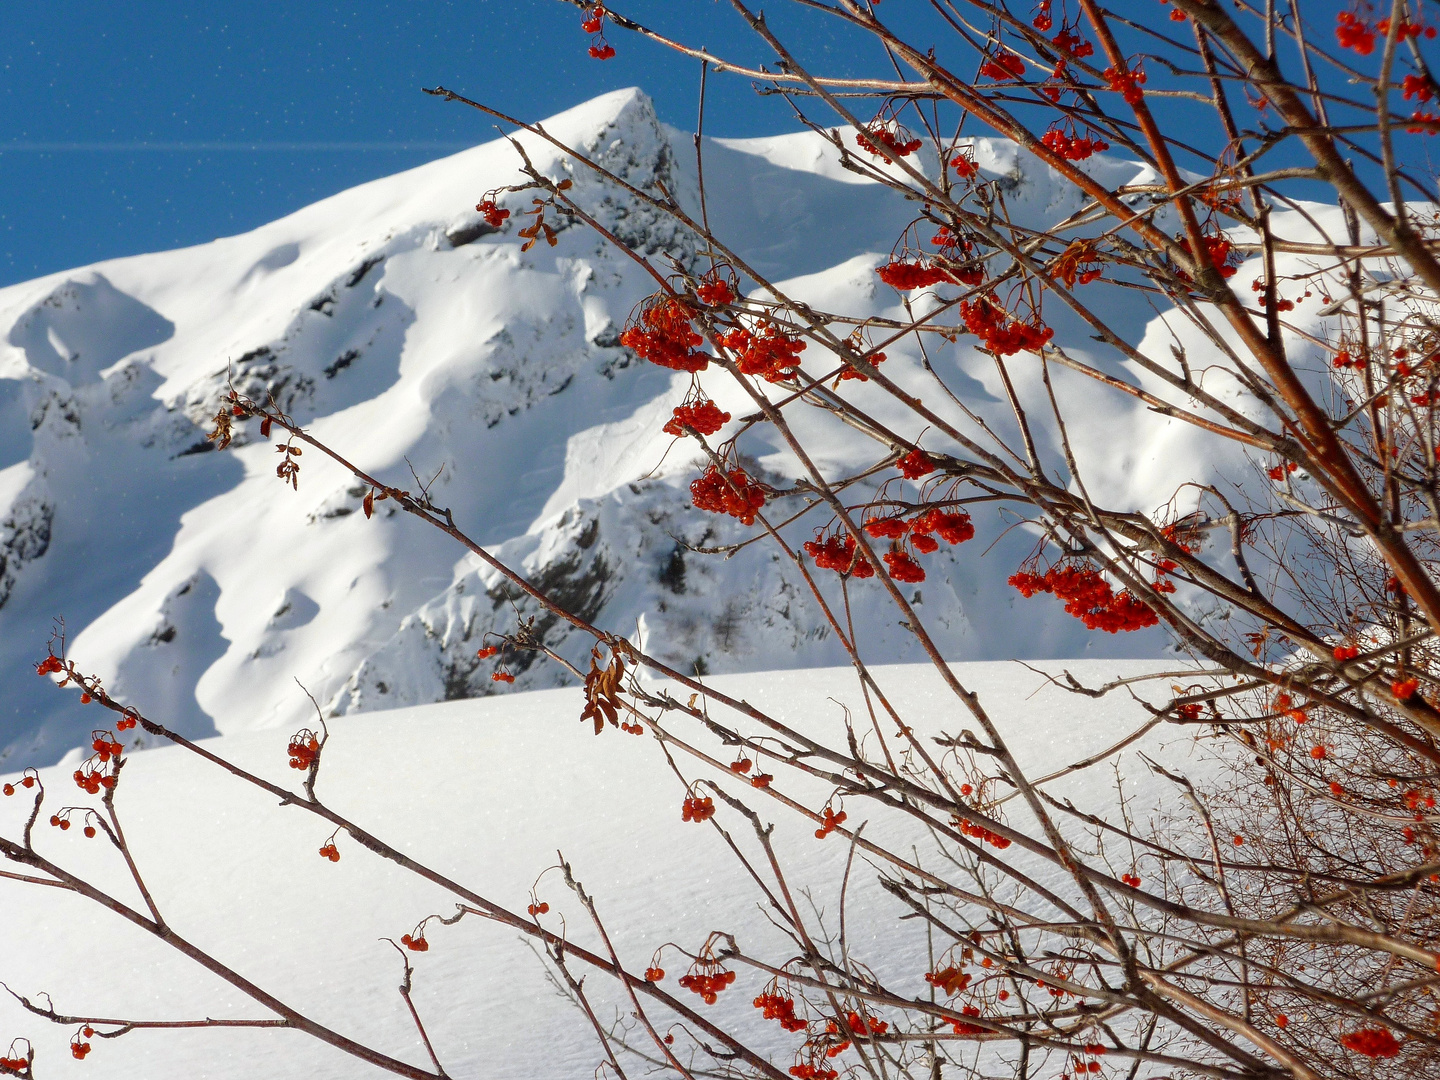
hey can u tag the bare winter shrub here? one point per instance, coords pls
(1283, 920)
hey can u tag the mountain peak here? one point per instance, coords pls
(399, 327)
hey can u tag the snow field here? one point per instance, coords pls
(485, 791)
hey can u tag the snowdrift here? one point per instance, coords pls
(488, 792)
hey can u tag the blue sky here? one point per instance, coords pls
(152, 124)
(262, 107)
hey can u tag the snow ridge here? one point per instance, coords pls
(427, 346)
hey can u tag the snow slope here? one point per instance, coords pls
(394, 324)
(486, 791)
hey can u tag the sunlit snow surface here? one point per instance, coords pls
(385, 319)
(488, 791)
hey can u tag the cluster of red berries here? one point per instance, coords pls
(1133, 880)
(887, 527)
(915, 464)
(502, 676)
(770, 352)
(829, 821)
(487, 652)
(903, 567)
(61, 821)
(1088, 597)
(969, 275)
(1353, 32)
(896, 143)
(1224, 259)
(14, 1064)
(1126, 82)
(1422, 122)
(542, 908)
(707, 981)
(1414, 800)
(999, 333)
(1417, 86)
(1066, 144)
(49, 665)
(494, 215)
(962, 1028)
(859, 1025)
(104, 746)
(663, 335)
(330, 851)
(703, 415)
(127, 721)
(1284, 704)
(851, 372)
(716, 293)
(1084, 1062)
(654, 974)
(304, 748)
(1042, 20)
(28, 781)
(1345, 359)
(697, 810)
(1372, 1042)
(1071, 44)
(1222, 256)
(778, 1006)
(911, 275)
(948, 242)
(1404, 689)
(951, 979)
(1002, 67)
(92, 776)
(761, 780)
(979, 832)
(954, 527)
(1405, 29)
(964, 164)
(838, 553)
(1279, 472)
(594, 23)
(812, 1070)
(78, 1046)
(732, 493)
(415, 943)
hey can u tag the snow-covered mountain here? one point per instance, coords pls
(411, 336)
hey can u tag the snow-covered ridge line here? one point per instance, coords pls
(398, 326)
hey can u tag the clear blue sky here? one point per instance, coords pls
(249, 92)
(152, 124)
